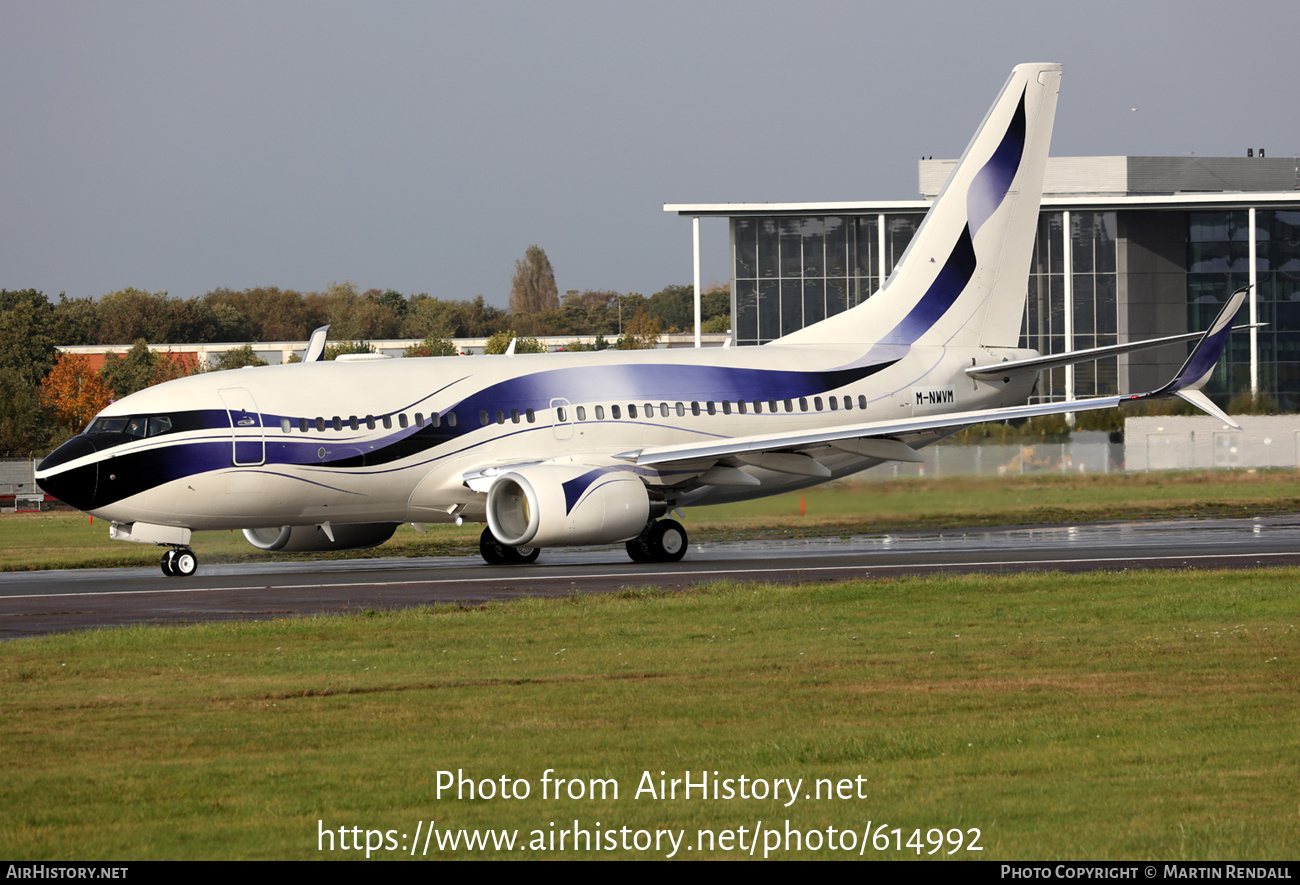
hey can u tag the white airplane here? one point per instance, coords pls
(595, 448)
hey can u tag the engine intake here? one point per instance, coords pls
(349, 536)
(553, 505)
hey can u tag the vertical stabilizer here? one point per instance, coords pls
(963, 278)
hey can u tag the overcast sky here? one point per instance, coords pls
(423, 146)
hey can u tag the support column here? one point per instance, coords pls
(880, 248)
(695, 226)
(1254, 309)
(1068, 294)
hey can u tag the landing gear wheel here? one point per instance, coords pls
(185, 563)
(662, 541)
(492, 550)
(496, 553)
(667, 541)
(179, 562)
(524, 555)
(637, 550)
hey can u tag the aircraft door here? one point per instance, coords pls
(563, 413)
(247, 441)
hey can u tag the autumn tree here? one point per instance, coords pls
(640, 333)
(533, 288)
(73, 391)
(141, 367)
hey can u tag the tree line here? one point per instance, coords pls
(40, 407)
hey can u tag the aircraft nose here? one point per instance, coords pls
(71, 485)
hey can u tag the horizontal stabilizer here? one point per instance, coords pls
(1002, 370)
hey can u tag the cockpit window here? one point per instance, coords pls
(138, 426)
(107, 425)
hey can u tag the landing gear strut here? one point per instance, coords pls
(496, 553)
(179, 562)
(662, 541)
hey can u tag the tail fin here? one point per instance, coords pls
(963, 278)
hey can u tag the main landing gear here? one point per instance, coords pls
(179, 562)
(496, 553)
(662, 541)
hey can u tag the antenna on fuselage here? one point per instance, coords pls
(316, 345)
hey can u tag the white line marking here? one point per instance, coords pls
(720, 571)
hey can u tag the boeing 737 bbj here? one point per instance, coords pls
(565, 449)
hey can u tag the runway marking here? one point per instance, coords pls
(720, 570)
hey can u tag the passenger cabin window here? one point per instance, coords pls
(582, 413)
(370, 422)
(803, 403)
(401, 420)
(483, 417)
(286, 425)
(681, 410)
(817, 403)
(862, 401)
(353, 423)
(419, 419)
(302, 425)
(388, 422)
(631, 411)
(834, 404)
(695, 409)
(451, 419)
(615, 412)
(726, 407)
(338, 423)
(600, 413)
(531, 415)
(559, 414)
(712, 409)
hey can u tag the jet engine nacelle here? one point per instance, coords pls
(550, 505)
(355, 536)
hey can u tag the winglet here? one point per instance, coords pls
(1205, 355)
(316, 345)
(1189, 380)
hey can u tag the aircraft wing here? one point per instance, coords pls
(879, 439)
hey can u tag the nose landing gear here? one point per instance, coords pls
(179, 562)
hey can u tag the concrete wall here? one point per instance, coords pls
(1202, 443)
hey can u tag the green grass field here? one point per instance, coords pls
(69, 540)
(1136, 715)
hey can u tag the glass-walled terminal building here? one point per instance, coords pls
(1128, 248)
